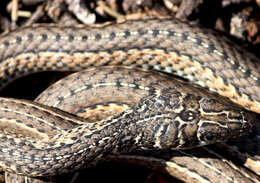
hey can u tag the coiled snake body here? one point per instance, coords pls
(176, 116)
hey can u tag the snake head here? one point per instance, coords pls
(204, 120)
(182, 121)
(220, 121)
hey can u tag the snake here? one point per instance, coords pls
(167, 45)
(99, 104)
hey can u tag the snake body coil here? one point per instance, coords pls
(167, 45)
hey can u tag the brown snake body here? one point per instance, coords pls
(167, 45)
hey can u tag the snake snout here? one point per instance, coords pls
(219, 127)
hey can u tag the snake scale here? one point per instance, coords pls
(166, 45)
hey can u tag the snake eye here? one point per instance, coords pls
(209, 138)
(209, 133)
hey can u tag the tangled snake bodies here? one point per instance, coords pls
(167, 45)
(142, 47)
(175, 116)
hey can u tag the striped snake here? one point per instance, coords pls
(166, 45)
